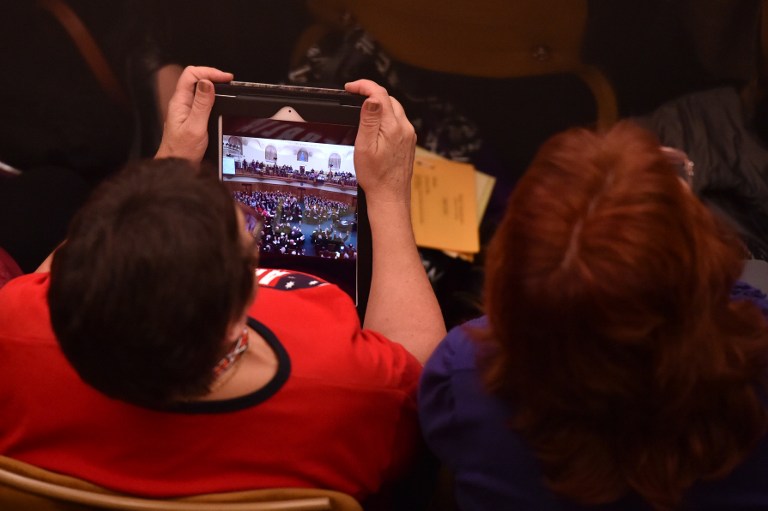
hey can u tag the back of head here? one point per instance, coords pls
(152, 273)
(608, 293)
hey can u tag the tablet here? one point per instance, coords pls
(287, 156)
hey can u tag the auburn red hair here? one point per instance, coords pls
(615, 338)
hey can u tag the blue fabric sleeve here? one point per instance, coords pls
(437, 402)
(744, 291)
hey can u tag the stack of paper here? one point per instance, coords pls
(448, 203)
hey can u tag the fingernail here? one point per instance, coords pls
(204, 86)
(373, 106)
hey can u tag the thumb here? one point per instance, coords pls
(202, 104)
(370, 121)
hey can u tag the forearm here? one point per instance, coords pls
(402, 304)
(45, 266)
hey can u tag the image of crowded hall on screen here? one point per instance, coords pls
(299, 198)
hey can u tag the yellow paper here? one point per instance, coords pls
(484, 184)
(444, 209)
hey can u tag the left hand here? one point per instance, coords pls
(185, 133)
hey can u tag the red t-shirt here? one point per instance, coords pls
(340, 412)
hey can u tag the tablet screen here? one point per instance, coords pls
(297, 186)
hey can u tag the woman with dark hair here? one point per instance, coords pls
(152, 357)
(621, 365)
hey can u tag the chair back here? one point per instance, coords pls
(24, 486)
(483, 38)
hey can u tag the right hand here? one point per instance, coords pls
(402, 304)
(384, 147)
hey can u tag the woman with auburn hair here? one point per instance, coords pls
(621, 365)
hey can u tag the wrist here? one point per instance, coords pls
(386, 209)
(390, 220)
(389, 198)
(164, 150)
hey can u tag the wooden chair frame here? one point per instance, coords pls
(23, 486)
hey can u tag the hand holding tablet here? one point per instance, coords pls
(387, 142)
(185, 134)
(319, 208)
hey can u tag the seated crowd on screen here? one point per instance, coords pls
(282, 215)
(316, 177)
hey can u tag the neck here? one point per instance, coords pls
(251, 370)
(230, 359)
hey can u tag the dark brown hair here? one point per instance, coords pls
(615, 339)
(152, 273)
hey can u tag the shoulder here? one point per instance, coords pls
(24, 315)
(24, 304)
(293, 301)
(458, 351)
(318, 325)
(450, 382)
(287, 296)
(25, 284)
(468, 429)
(289, 280)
